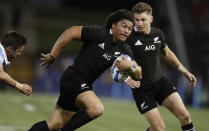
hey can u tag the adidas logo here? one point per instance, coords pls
(101, 45)
(156, 40)
(138, 43)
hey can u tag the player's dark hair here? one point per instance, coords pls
(142, 7)
(14, 39)
(117, 16)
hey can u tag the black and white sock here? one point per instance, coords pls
(79, 119)
(40, 126)
(188, 127)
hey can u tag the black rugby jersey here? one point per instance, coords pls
(147, 50)
(97, 53)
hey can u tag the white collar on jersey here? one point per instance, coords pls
(4, 55)
(135, 29)
(110, 32)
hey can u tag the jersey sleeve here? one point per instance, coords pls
(1, 57)
(90, 33)
(162, 37)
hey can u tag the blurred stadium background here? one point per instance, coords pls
(185, 24)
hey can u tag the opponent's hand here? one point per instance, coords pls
(132, 83)
(124, 64)
(27, 90)
(46, 59)
(192, 79)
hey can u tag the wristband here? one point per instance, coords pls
(126, 79)
(180, 69)
(19, 86)
(133, 69)
(53, 59)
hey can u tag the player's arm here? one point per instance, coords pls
(135, 71)
(26, 89)
(72, 33)
(132, 83)
(170, 58)
(132, 67)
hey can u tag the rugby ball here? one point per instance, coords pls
(121, 75)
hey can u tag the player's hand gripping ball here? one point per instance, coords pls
(120, 76)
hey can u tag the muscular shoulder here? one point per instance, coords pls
(92, 32)
(157, 31)
(93, 29)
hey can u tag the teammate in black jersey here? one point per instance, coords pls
(77, 103)
(148, 45)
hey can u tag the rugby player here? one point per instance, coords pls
(11, 47)
(149, 46)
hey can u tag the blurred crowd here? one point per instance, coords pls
(195, 21)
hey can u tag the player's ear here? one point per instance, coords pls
(113, 25)
(151, 19)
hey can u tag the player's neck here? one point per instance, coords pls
(148, 31)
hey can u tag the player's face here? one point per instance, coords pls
(12, 54)
(121, 30)
(143, 22)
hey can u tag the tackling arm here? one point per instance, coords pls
(26, 89)
(6, 78)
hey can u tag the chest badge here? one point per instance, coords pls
(156, 40)
(117, 53)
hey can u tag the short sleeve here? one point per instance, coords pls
(1, 59)
(162, 37)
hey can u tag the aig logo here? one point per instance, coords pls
(150, 47)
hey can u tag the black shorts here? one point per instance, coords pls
(70, 87)
(148, 96)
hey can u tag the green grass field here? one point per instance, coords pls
(19, 112)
